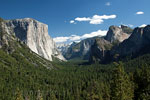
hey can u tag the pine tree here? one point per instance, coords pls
(53, 97)
(142, 82)
(39, 95)
(19, 95)
(121, 86)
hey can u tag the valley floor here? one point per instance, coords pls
(74, 81)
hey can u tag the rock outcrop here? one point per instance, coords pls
(103, 47)
(99, 50)
(80, 50)
(63, 48)
(138, 43)
(35, 35)
(118, 34)
(15, 54)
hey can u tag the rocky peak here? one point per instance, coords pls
(146, 32)
(123, 26)
(116, 34)
(99, 50)
(80, 50)
(35, 35)
(136, 35)
(135, 45)
(126, 29)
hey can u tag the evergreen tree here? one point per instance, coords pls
(142, 82)
(19, 95)
(52, 97)
(39, 95)
(121, 86)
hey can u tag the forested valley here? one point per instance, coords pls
(124, 80)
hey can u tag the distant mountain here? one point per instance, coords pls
(35, 35)
(99, 50)
(136, 45)
(81, 50)
(63, 47)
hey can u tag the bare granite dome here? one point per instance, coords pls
(116, 34)
(35, 35)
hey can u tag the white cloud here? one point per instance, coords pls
(96, 19)
(60, 39)
(74, 38)
(129, 25)
(72, 21)
(82, 19)
(108, 4)
(104, 17)
(93, 34)
(143, 25)
(139, 12)
(79, 38)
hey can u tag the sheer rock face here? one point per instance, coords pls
(80, 50)
(99, 50)
(35, 35)
(117, 34)
(138, 43)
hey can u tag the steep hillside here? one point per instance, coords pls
(19, 54)
(35, 35)
(19, 66)
(99, 50)
(137, 44)
(80, 50)
(62, 47)
(118, 34)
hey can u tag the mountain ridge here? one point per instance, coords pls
(81, 50)
(136, 45)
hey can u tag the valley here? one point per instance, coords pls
(112, 70)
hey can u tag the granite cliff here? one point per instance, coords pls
(35, 35)
(137, 44)
(80, 50)
(118, 34)
(83, 50)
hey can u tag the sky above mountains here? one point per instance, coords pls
(73, 20)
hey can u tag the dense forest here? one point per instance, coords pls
(26, 76)
(126, 80)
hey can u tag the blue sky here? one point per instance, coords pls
(88, 17)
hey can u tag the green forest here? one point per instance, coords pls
(26, 76)
(126, 80)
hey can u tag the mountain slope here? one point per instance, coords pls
(118, 34)
(138, 43)
(35, 35)
(20, 55)
(80, 50)
(99, 50)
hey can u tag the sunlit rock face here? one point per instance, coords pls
(137, 44)
(35, 35)
(118, 34)
(80, 50)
